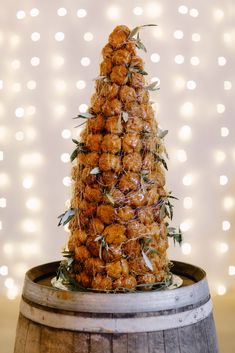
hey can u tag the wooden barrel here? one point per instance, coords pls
(168, 321)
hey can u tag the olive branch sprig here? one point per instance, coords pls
(176, 234)
(135, 36)
(65, 217)
(103, 244)
(80, 148)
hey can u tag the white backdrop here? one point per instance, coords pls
(50, 52)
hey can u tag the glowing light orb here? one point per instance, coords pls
(62, 12)
(155, 58)
(81, 13)
(226, 226)
(221, 289)
(88, 36)
(66, 134)
(59, 36)
(28, 182)
(178, 34)
(187, 180)
(85, 61)
(224, 131)
(188, 203)
(223, 180)
(80, 84)
(186, 248)
(138, 11)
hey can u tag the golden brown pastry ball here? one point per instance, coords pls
(107, 90)
(121, 57)
(106, 67)
(117, 196)
(106, 213)
(125, 214)
(138, 267)
(100, 282)
(119, 36)
(132, 161)
(96, 103)
(142, 95)
(92, 159)
(87, 177)
(153, 230)
(111, 143)
(108, 178)
(118, 268)
(132, 248)
(80, 235)
(96, 124)
(136, 198)
(134, 125)
(87, 208)
(135, 109)
(83, 279)
(93, 193)
(137, 80)
(131, 47)
(112, 107)
(131, 143)
(94, 265)
(114, 124)
(93, 245)
(119, 75)
(129, 181)
(107, 51)
(127, 94)
(137, 62)
(136, 229)
(115, 233)
(146, 215)
(113, 253)
(114, 269)
(81, 159)
(96, 226)
(152, 195)
(93, 142)
(109, 161)
(148, 161)
(157, 177)
(81, 253)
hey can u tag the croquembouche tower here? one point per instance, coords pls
(120, 206)
(118, 222)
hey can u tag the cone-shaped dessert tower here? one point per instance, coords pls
(119, 206)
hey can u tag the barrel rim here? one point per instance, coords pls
(115, 302)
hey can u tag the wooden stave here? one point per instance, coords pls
(119, 302)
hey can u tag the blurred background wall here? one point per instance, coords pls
(50, 52)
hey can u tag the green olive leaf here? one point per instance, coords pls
(95, 171)
(147, 261)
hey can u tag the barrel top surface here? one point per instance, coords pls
(38, 289)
